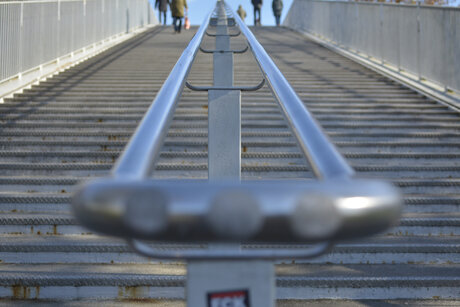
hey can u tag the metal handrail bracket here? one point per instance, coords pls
(223, 51)
(229, 254)
(232, 88)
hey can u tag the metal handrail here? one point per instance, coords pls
(140, 155)
(131, 206)
(323, 157)
(138, 159)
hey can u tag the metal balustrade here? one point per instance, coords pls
(33, 33)
(224, 208)
(419, 40)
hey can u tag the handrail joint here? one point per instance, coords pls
(231, 88)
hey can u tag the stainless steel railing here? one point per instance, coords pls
(322, 155)
(132, 206)
(138, 159)
(419, 41)
(36, 33)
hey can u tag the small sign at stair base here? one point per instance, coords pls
(230, 283)
(235, 298)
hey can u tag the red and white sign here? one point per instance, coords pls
(235, 298)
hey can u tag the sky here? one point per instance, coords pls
(198, 9)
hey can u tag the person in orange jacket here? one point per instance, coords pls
(177, 12)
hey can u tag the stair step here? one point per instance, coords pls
(411, 224)
(29, 249)
(168, 281)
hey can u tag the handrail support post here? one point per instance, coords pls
(224, 134)
(231, 283)
(210, 283)
(224, 111)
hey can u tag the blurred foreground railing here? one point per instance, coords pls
(418, 40)
(34, 33)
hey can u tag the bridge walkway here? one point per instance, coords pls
(73, 126)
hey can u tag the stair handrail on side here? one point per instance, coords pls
(138, 158)
(133, 206)
(325, 160)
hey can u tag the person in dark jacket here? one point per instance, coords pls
(257, 7)
(177, 12)
(277, 6)
(162, 6)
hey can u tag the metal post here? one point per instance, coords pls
(220, 283)
(21, 40)
(418, 54)
(224, 138)
(382, 56)
(224, 118)
(398, 41)
(59, 10)
(230, 283)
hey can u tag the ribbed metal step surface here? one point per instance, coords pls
(73, 127)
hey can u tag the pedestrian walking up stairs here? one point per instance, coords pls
(73, 126)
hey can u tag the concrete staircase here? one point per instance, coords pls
(73, 126)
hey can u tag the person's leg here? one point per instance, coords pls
(175, 23)
(278, 20)
(159, 16)
(164, 18)
(180, 24)
(260, 17)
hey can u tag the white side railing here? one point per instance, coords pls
(420, 40)
(33, 33)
